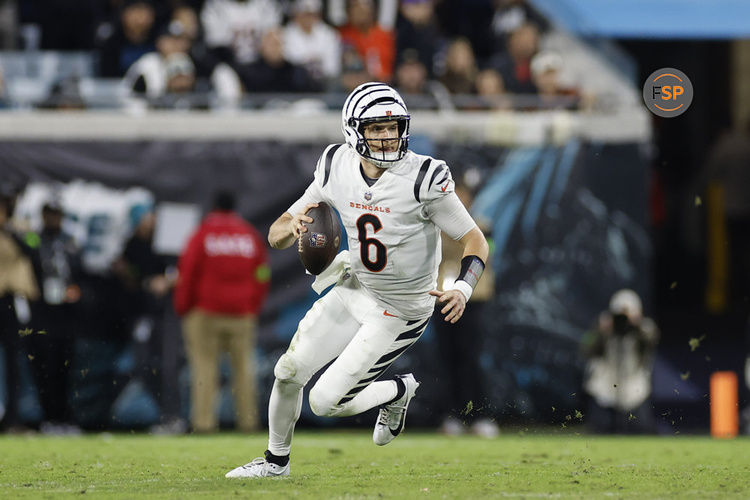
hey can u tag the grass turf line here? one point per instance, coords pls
(345, 464)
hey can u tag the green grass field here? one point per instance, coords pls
(346, 464)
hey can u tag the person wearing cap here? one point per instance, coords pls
(51, 343)
(546, 74)
(172, 68)
(620, 352)
(310, 42)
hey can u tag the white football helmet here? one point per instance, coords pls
(369, 103)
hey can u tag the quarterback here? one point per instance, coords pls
(393, 204)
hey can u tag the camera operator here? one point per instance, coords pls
(619, 354)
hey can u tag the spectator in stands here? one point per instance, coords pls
(468, 19)
(18, 285)
(180, 74)
(510, 15)
(460, 69)
(620, 352)
(222, 284)
(210, 71)
(51, 346)
(311, 43)
(272, 72)
(234, 28)
(491, 88)
(417, 29)
(460, 344)
(546, 71)
(515, 64)
(133, 37)
(8, 24)
(188, 18)
(171, 69)
(353, 71)
(386, 12)
(411, 74)
(375, 46)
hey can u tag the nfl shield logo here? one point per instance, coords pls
(368, 195)
(317, 240)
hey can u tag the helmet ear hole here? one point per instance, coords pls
(401, 127)
(352, 122)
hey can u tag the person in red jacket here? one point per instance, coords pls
(222, 284)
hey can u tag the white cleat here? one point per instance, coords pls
(259, 467)
(392, 416)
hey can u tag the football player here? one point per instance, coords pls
(393, 204)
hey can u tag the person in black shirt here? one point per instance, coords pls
(51, 346)
(272, 72)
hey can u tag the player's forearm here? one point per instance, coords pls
(281, 235)
(475, 243)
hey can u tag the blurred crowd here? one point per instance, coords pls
(52, 303)
(164, 49)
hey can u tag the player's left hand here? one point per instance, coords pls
(455, 303)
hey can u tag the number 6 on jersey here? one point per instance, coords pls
(381, 256)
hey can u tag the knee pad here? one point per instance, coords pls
(285, 369)
(322, 402)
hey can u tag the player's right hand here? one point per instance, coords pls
(298, 221)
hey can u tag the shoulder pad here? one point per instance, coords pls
(434, 179)
(326, 161)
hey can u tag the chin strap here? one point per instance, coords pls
(472, 268)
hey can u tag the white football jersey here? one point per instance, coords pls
(393, 242)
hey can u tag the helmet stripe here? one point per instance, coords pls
(360, 90)
(379, 100)
(383, 88)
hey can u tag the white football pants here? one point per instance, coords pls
(364, 339)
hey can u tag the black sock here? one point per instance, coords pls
(275, 459)
(400, 390)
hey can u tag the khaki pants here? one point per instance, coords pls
(207, 335)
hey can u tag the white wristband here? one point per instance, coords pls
(463, 287)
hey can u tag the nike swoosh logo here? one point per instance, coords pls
(444, 188)
(400, 427)
(386, 313)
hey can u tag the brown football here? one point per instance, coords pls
(319, 245)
